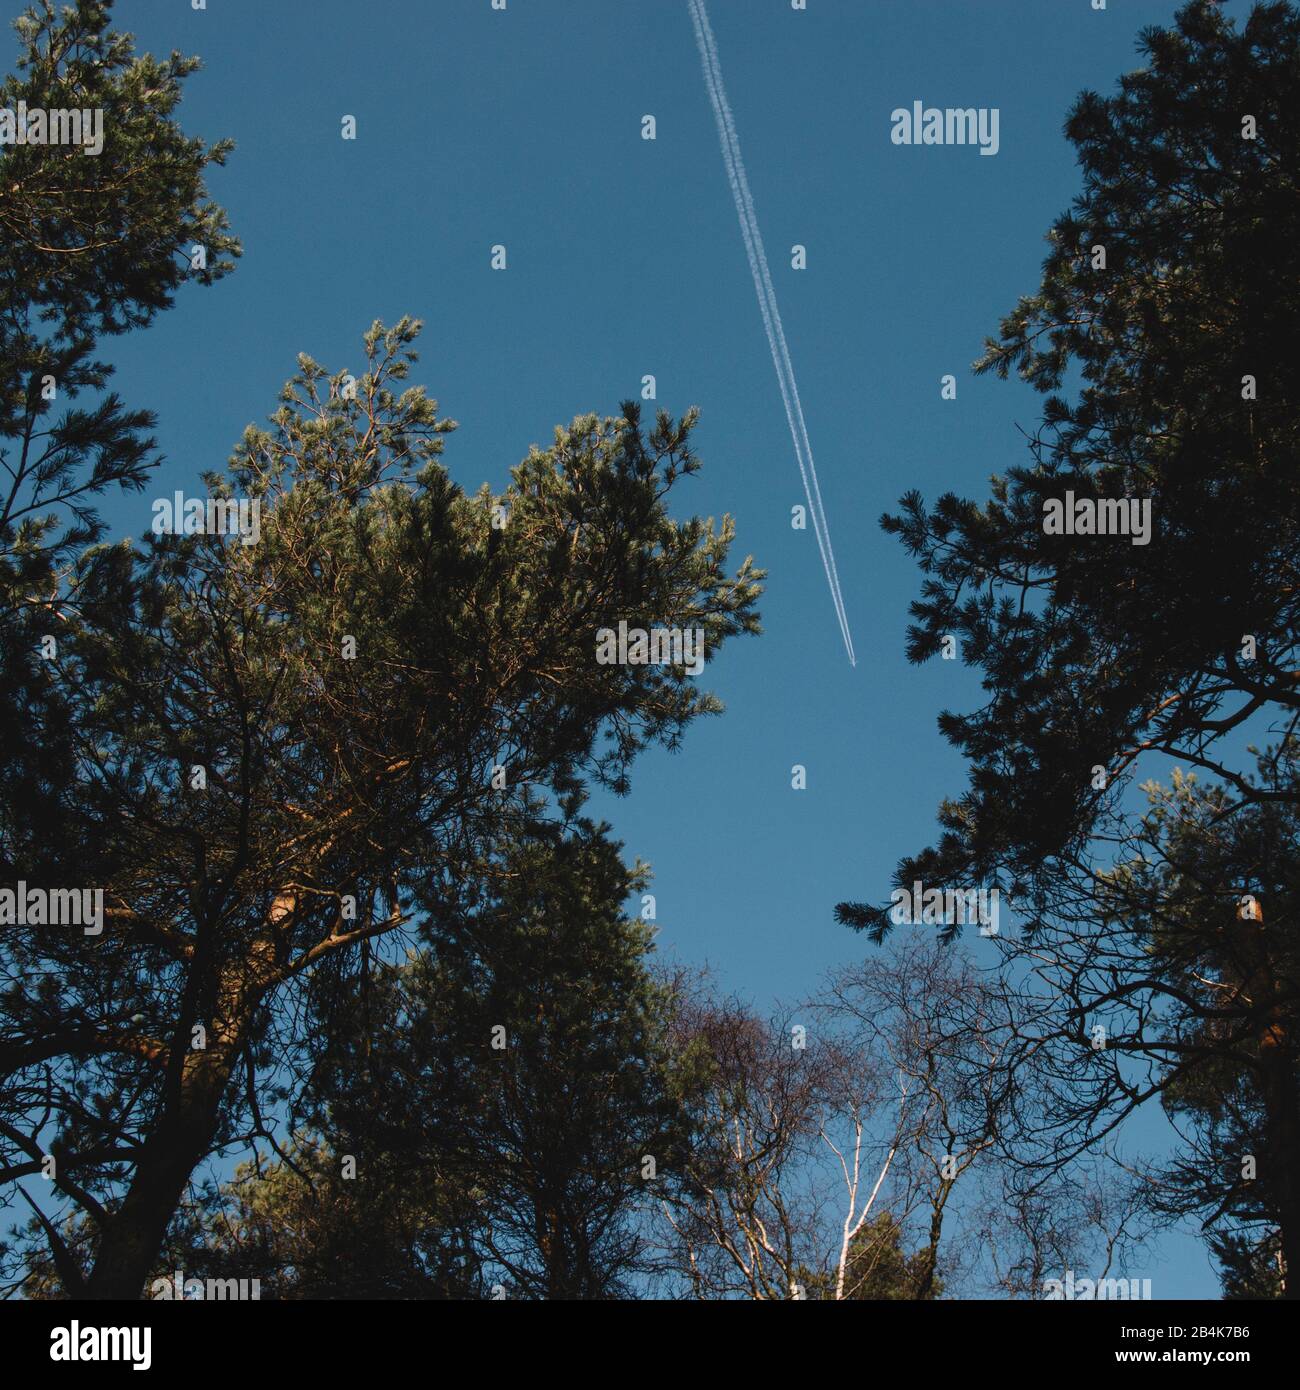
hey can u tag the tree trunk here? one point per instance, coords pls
(130, 1244)
(929, 1266)
(1284, 1158)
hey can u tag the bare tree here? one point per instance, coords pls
(827, 1143)
(926, 1013)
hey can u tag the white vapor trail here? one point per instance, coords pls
(767, 304)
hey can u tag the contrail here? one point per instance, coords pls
(767, 304)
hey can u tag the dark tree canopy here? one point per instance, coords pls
(91, 245)
(289, 749)
(520, 1065)
(1162, 336)
(1095, 651)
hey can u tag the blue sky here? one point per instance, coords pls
(523, 127)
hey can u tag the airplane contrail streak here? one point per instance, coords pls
(767, 304)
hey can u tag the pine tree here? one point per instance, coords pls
(880, 1267)
(500, 1091)
(1248, 1269)
(91, 246)
(1162, 362)
(288, 750)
